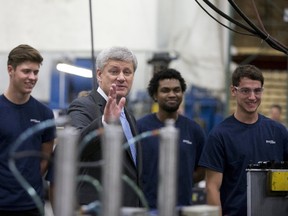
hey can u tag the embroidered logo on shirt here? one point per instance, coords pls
(272, 142)
(34, 120)
(187, 141)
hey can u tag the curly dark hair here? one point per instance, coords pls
(165, 74)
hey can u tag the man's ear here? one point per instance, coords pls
(232, 90)
(154, 98)
(98, 74)
(10, 69)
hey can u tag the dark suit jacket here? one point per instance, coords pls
(86, 115)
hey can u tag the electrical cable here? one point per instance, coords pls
(30, 153)
(252, 28)
(93, 207)
(137, 190)
(87, 138)
(27, 186)
(93, 181)
(266, 37)
(96, 184)
(51, 123)
(225, 15)
(258, 16)
(131, 141)
(247, 28)
(261, 23)
(143, 135)
(29, 189)
(16, 155)
(259, 32)
(23, 182)
(89, 164)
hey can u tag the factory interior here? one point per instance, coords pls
(204, 40)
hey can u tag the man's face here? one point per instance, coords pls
(119, 72)
(275, 114)
(169, 95)
(24, 77)
(248, 95)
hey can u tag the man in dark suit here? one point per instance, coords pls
(116, 67)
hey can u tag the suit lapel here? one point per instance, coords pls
(132, 123)
(97, 97)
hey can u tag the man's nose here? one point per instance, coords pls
(121, 76)
(32, 75)
(252, 94)
(171, 94)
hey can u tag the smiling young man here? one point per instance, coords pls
(167, 88)
(116, 67)
(19, 111)
(244, 138)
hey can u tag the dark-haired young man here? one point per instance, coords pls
(20, 111)
(167, 88)
(244, 138)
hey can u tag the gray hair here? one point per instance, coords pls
(115, 53)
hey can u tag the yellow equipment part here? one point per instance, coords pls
(279, 180)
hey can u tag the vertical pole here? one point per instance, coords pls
(95, 84)
(227, 70)
(112, 170)
(167, 189)
(65, 166)
(62, 93)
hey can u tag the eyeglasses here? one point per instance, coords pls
(248, 91)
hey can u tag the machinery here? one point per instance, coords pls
(111, 199)
(267, 191)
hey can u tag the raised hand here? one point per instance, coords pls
(113, 107)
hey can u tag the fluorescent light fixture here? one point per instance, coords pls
(66, 68)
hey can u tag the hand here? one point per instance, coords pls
(113, 109)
